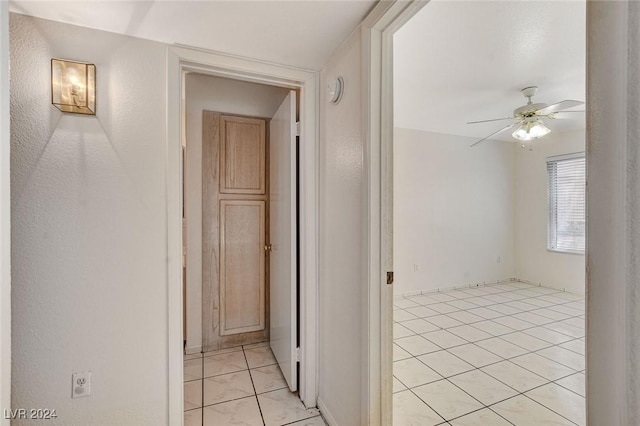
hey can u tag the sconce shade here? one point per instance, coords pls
(73, 86)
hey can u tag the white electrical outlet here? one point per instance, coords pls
(81, 384)
(415, 268)
(498, 259)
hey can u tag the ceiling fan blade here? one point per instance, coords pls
(560, 114)
(487, 121)
(560, 106)
(494, 133)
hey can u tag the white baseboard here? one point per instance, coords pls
(539, 284)
(328, 417)
(409, 294)
(555, 287)
(455, 287)
(193, 350)
(482, 284)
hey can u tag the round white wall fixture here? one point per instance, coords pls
(335, 89)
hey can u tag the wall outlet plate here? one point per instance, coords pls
(81, 384)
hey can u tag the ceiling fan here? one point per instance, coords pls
(529, 124)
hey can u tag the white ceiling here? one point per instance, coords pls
(296, 33)
(460, 61)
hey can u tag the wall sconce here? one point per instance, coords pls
(73, 86)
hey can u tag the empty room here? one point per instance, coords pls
(489, 215)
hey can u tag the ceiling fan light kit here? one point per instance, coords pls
(531, 129)
(529, 124)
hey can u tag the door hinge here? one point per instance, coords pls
(390, 277)
(184, 240)
(298, 354)
(298, 128)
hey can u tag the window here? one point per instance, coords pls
(567, 187)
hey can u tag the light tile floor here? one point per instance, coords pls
(504, 354)
(241, 386)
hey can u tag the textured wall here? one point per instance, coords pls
(534, 262)
(342, 281)
(205, 92)
(453, 211)
(633, 211)
(5, 211)
(89, 229)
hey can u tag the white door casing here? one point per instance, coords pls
(180, 61)
(378, 29)
(283, 239)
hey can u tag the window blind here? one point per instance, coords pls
(566, 191)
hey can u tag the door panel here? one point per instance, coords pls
(242, 266)
(242, 155)
(220, 301)
(283, 238)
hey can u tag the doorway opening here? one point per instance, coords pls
(488, 242)
(248, 347)
(241, 286)
(228, 162)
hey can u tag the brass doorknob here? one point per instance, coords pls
(267, 247)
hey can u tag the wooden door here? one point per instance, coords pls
(234, 231)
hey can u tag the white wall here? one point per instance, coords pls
(5, 224)
(453, 211)
(89, 241)
(205, 92)
(456, 210)
(342, 252)
(534, 262)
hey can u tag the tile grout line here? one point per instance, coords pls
(566, 302)
(551, 321)
(571, 338)
(570, 390)
(483, 405)
(484, 366)
(500, 356)
(253, 385)
(307, 416)
(425, 403)
(502, 291)
(468, 342)
(490, 364)
(518, 393)
(502, 314)
(256, 394)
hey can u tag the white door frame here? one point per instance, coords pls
(378, 29)
(179, 61)
(612, 173)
